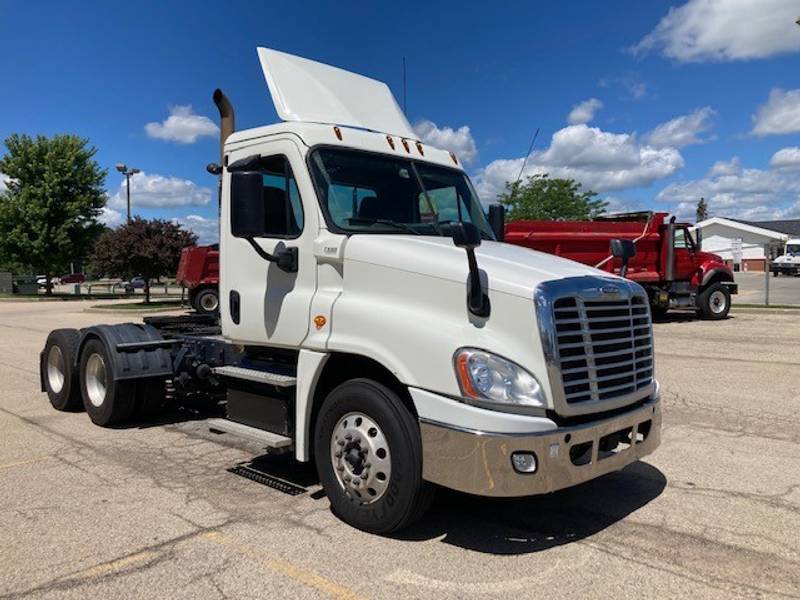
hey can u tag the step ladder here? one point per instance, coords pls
(274, 441)
(257, 375)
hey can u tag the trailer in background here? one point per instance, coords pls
(198, 271)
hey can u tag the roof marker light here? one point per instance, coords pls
(391, 141)
(453, 156)
(338, 133)
(405, 145)
(419, 147)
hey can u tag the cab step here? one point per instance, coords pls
(275, 441)
(257, 375)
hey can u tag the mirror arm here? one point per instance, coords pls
(477, 301)
(285, 259)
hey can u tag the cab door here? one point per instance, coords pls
(685, 259)
(261, 303)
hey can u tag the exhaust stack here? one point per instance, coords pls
(227, 122)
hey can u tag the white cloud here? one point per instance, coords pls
(599, 160)
(182, 126)
(682, 131)
(786, 158)
(3, 179)
(206, 230)
(635, 88)
(732, 190)
(458, 141)
(583, 112)
(110, 217)
(780, 113)
(159, 191)
(725, 30)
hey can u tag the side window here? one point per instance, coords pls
(283, 209)
(680, 239)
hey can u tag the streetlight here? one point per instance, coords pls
(123, 168)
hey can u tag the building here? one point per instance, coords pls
(743, 244)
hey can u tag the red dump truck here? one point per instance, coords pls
(669, 263)
(198, 271)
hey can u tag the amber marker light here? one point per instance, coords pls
(419, 147)
(319, 321)
(463, 375)
(338, 133)
(405, 145)
(453, 156)
(391, 141)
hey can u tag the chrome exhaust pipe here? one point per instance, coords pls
(227, 121)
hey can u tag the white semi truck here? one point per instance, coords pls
(788, 263)
(372, 320)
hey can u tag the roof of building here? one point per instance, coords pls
(743, 226)
(790, 227)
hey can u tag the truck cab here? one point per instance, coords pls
(370, 321)
(788, 263)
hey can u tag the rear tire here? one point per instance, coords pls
(58, 369)
(107, 401)
(379, 447)
(206, 301)
(714, 302)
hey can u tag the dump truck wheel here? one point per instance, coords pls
(714, 302)
(107, 401)
(369, 457)
(206, 301)
(58, 369)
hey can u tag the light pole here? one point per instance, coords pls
(123, 168)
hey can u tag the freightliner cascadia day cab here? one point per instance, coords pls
(370, 321)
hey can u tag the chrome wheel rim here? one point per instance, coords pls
(718, 302)
(55, 369)
(209, 302)
(96, 379)
(361, 458)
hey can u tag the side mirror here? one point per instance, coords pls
(465, 235)
(624, 249)
(247, 204)
(497, 220)
(468, 237)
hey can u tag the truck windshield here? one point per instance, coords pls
(793, 249)
(374, 193)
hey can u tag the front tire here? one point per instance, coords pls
(714, 302)
(107, 401)
(58, 369)
(368, 454)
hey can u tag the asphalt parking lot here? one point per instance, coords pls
(752, 289)
(151, 511)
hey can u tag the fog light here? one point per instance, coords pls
(524, 462)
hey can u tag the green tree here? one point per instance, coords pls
(48, 213)
(143, 248)
(541, 198)
(702, 210)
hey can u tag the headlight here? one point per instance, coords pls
(488, 378)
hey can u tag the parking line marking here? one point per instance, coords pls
(22, 463)
(284, 567)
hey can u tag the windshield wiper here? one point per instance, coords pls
(389, 222)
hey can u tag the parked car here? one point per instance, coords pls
(42, 280)
(73, 278)
(137, 283)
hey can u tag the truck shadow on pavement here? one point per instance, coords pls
(525, 525)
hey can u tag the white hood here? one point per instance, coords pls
(510, 269)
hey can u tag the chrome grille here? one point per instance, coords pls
(604, 347)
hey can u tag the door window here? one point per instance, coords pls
(283, 208)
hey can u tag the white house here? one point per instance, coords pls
(741, 245)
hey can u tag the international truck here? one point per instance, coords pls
(370, 321)
(198, 272)
(787, 263)
(669, 262)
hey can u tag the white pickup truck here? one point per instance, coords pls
(789, 262)
(372, 321)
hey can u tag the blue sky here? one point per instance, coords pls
(703, 99)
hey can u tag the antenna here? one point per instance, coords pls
(525, 162)
(405, 106)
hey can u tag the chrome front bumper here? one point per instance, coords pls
(480, 463)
